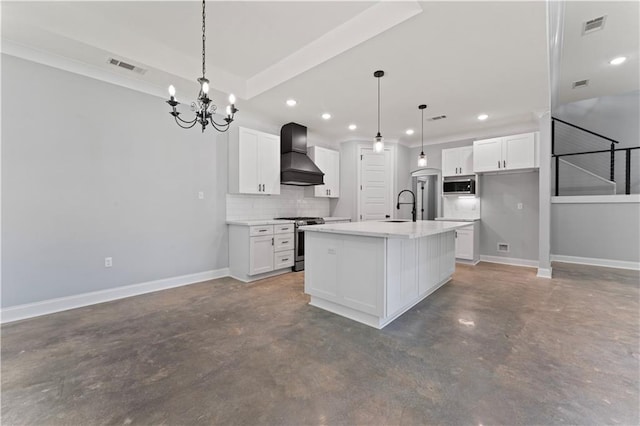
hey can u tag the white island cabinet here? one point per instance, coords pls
(373, 272)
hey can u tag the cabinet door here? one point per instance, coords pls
(449, 162)
(464, 243)
(334, 172)
(518, 151)
(248, 180)
(269, 163)
(260, 254)
(465, 160)
(487, 155)
(320, 159)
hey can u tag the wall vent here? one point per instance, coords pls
(122, 64)
(503, 247)
(595, 24)
(579, 83)
(437, 117)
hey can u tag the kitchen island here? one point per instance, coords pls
(373, 272)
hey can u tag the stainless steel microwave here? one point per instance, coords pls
(459, 186)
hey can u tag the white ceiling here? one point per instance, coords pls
(460, 58)
(587, 56)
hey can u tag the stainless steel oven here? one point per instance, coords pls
(299, 237)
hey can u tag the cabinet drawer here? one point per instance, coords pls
(283, 229)
(283, 259)
(283, 242)
(254, 231)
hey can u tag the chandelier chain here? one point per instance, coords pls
(378, 105)
(204, 16)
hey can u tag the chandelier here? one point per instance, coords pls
(422, 159)
(378, 141)
(203, 107)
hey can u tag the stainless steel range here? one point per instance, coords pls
(299, 237)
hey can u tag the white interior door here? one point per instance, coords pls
(375, 185)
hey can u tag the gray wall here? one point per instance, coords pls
(91, 170)
(502, 221)
(612, 116)
(600, 231)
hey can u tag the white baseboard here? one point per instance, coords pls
(30, 310)
(509, 261)
(544, 273)
(608, 263)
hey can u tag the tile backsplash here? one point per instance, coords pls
(461, 207)
(292, 201)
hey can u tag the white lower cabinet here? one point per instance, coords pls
(260, 251)
(467, 243)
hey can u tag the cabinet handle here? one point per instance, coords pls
(285, 242)
(329, 192)
(271, 240)
(504, 163)
(285, 259)
(498, 163)
(262, 230)
(284, 229)
(259, 188)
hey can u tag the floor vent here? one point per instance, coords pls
(437, 117)
(593, 25)
(579, 83)
(503, 247)
(122, 64)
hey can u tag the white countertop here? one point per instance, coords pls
(452, 219)
(335, 218)
(258, 222)
(421, 228)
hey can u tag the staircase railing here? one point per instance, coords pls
(612, 150)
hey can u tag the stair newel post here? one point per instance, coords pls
(612, 169)
(557, 175)
(627, 182)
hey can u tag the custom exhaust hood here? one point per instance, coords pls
(295, 167)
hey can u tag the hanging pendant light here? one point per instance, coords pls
(203, 107)
(378, 141)
(422, 159)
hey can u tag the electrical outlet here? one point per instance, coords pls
(108, 262)
(201, 195)
(519, 206)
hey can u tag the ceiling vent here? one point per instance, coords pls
(580, 83)
(126, 66)
(593, 25)
(437, 117)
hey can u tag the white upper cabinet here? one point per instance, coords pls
(505, 153)
(328, 161)
(254, 162)
(457, 161)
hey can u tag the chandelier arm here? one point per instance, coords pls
(218, 126)
(187, 121)
(190, 124)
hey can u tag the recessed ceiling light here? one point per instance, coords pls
(326, 116)
(291, 102)
(483, 117)
(618, 60)
(352, 127)
(409, 131)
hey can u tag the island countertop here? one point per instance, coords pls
(384, 229)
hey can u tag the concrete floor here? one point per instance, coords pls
(494, 346)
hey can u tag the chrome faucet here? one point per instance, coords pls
(413, 212)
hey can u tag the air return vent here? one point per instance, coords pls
(122, 64)
(503, 247)
(437, 117)
(593, 25)
(579, 83)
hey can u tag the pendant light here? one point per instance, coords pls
(422, 159)
(378, 142)
(203, 107)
